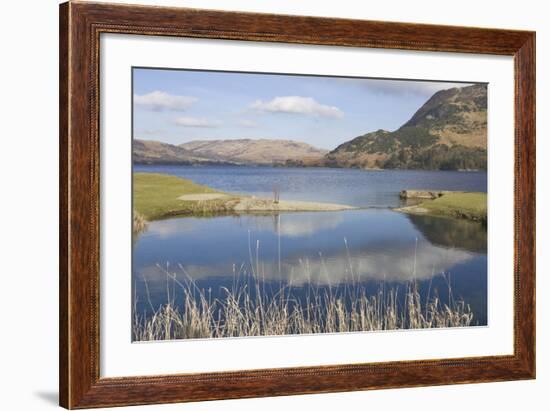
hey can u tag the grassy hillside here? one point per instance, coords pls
(449, 132)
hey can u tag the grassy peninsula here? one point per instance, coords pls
(471, 206)
(159, 196)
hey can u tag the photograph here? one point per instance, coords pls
(270, 204)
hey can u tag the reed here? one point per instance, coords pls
(276, 194)
(246, 309)
(139, 223)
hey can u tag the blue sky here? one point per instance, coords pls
(177, 106)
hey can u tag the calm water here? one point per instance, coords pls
(346, 186)
(330, 249)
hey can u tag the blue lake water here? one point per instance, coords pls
(371, 247)
(346, 186)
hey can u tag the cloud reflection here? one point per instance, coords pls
(167, 228)
(297, 224)
(407, 264)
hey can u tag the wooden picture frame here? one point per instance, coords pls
(80, 27)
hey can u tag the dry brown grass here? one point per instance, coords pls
(243, 311)
(139, 223)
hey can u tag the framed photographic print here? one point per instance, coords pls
(257, 205)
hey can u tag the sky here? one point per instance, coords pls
(178, 106)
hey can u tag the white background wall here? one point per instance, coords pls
(28, 203)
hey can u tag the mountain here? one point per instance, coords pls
(448, 132)
(244, 151)
(260, 151)
(155, 152)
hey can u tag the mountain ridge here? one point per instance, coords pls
(448, 132)
(156, 152)
(256, 151)
(230, 152)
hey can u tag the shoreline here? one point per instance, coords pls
(258, 204)
(455, 204)
(159, 196)
(294, 166)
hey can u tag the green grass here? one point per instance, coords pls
(472, 206)
(156, 197)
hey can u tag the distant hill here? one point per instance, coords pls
(261, 151)
(155, 152)
(244, 151)
(448, 132)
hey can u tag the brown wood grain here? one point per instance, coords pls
(80, 27)
(63, 205)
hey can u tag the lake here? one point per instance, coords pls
(374, 247)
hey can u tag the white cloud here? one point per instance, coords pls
(247, 123)
(160, 100)
(195, 122)
(297, 105)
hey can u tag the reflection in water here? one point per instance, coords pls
(452, 232)
(164, 229)
(416, 262)
(293, 225)
(360, 248)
